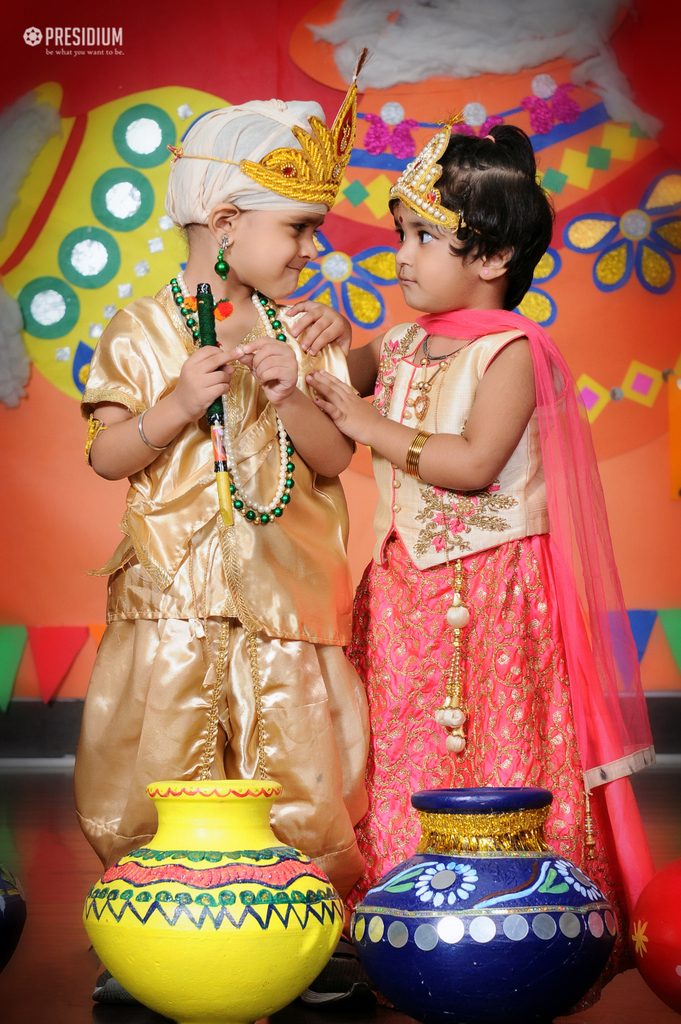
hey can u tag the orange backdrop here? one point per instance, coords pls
(58, 519)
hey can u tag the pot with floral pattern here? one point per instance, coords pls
(214, 921)
(484, 925)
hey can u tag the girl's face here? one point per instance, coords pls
(270, 248)
(431, 277)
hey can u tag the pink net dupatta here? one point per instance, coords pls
(609, 707)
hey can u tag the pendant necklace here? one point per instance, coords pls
(421, 402)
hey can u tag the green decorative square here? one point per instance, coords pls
(554, 181)
(356, 193)
(636, 132)
(598, 158)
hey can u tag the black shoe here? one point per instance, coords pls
(342, 978)
(108, 990)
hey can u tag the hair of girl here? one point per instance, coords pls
(493, 183)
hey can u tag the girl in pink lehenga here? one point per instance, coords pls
(489, 629)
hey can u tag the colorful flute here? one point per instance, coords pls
(205, 308)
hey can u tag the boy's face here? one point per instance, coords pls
(269, 249)
(431, 277)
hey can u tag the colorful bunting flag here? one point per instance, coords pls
(12, 643)
(54, 651)
(671, 624)
(641, 621)
(97, 631)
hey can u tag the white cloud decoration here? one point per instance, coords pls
(411, 40)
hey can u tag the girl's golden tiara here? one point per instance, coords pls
(415, 187)
(312, 174)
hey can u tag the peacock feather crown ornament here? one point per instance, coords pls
(415, 187)
(313, 173)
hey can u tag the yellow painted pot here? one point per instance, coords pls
(214, 921)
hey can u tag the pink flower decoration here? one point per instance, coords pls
(378, 137)
(541, 115)
(560, 109)
(403, 144)
(565, 110)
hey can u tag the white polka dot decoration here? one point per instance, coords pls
(543, 86)
(89, 257)
(474, 114)
(144, 135)
(123, 200)
(392, 113)
(48, 307)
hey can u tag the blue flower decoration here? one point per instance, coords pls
(348, 281)
(638, 240)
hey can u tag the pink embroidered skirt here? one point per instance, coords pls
(520, 725)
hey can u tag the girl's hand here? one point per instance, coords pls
(204, 377)
(322, 324)
(273, 364)
(351, 414)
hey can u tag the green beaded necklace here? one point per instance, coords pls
(261, 514)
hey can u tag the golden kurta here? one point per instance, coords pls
(187, 597)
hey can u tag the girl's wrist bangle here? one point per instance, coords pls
(414, 453)
(154, 447)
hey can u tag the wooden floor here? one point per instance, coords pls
(50, 978)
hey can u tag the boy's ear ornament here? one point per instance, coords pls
(415, 187)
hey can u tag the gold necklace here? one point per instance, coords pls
(420, 403)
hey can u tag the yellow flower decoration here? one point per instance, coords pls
(639, 937)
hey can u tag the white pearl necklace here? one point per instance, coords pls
(239, 492)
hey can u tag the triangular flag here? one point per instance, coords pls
(671, 624)
(641, 621)
(97, 631)
(54, 651)
(12, 643)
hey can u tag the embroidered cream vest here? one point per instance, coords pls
(433, 523)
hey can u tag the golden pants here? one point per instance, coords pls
(146, 719)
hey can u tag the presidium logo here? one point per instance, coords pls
(77, 41)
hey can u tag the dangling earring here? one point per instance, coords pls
(222, 266)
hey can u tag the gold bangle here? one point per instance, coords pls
(94, 426)
(414, 453)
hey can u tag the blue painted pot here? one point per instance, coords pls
(484, 925)
(12, 914)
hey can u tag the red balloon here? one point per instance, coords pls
(655, 934)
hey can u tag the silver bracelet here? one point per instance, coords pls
(155, 447)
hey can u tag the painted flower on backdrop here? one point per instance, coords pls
(550, 104)
(349, 281)
(639, 239)
(537, 304)
(451, 882)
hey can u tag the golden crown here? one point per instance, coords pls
(312, 174)
(415, 187)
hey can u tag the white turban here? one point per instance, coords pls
(246, 132)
